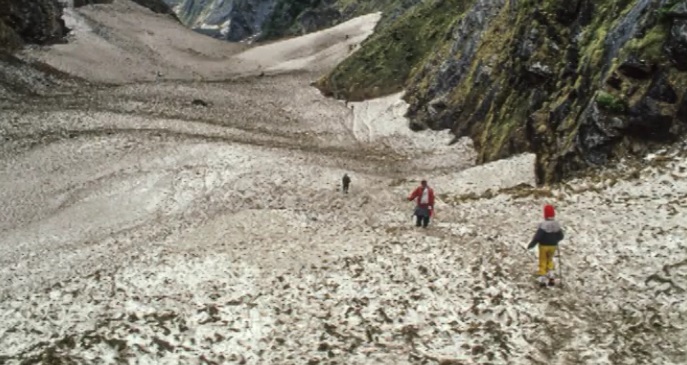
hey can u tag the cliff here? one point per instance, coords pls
(232, 20)
(581, 83)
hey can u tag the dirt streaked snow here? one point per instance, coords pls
(140, 228)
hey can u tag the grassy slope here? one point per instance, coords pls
(284, 20)
(387, 58)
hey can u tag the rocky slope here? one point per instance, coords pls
(578, 82)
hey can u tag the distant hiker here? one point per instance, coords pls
(549, 234)
(345, 182)
(424, 203)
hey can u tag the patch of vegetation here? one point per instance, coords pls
(384, 62)
(650, 47)
(286, 17)
(610, 103)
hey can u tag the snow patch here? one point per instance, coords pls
(75, 22)
(313, 51)
(383, 121)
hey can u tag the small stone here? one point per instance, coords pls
(199, 102)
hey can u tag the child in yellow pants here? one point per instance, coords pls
(549, 234)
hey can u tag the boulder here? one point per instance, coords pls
(199, 102)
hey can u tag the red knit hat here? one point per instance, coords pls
(549, 212)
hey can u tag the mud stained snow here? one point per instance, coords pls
(189, 222)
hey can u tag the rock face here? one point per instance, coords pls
(37, 21)
(579, 82)
(297, 17)
(239, 20)
(232, 20)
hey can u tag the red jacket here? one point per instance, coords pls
(417, 195)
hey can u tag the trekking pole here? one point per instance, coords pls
(560, 266)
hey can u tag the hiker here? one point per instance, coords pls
(424, 207)
(549, 234)
(345, 182)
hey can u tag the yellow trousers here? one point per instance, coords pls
(546, 254)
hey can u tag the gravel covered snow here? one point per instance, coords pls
(140, 228)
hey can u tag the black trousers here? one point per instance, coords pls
(422, 221)
(345, 188)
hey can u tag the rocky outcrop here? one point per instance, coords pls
(232, 20)
(37, 22)
(579, 82)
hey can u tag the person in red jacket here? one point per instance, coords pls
(424, 203)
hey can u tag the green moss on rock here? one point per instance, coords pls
(297, 17)
(610, 102)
